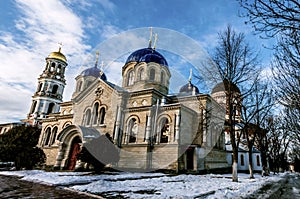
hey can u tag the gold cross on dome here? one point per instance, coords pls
(59, 46)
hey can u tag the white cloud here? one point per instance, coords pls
(107, 5)
(41, 25)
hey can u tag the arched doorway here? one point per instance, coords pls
(74, 151)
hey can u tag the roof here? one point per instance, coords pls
(225, 85)
(95, 72)
(57, 55)
(147, 55)
(188, 88)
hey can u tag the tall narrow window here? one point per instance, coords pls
(54, 89)
(258, 160)
(87, 117)
(79, 86)
(47, 136)
(141, 74)
(54, 132)
(102, 115)
(242, 160)
(162, 77)
(52, 67)
(164, 130)
(50, 108)
(96, 113)
(152, 74)
(40, 87)
(132, 128)
(33, 107)
(58, 68)
(130, 78)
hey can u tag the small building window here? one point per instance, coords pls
(130, 78)
(162, 77)
(87, 117)
(102, 115)
(152, 74)
(54, 132)
(96, 113)
(141, 74)
(164, 130)
(258, 160)
(40, 87)
(52, 68)
(242, 160)
(58, 69)
(33, 107)
(50, 108)
(54, 89)
(47, 136)
(79, 85)
(132, 128)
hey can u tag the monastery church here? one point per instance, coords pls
(151, 128)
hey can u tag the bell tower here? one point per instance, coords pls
(50, 88)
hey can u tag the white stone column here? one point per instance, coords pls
(118, 122)
(177, 128)
(148, 129)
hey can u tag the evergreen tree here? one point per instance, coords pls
(18, 145)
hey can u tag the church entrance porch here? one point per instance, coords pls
(70, 140)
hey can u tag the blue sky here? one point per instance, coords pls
(31, 29)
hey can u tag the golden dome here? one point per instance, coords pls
(57, 55)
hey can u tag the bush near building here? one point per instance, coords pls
(18, 145)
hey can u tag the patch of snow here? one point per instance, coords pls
(149, 185)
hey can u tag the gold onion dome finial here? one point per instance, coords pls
(58, 55)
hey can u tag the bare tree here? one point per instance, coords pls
(281, 18)
(279, 140)
(255, 109)
(273, 17)
(236, 63)
(286, 69)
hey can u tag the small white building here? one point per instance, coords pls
(243, 158)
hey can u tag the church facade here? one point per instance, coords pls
(151, 128)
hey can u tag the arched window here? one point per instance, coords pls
(54, 89)
(152, 74)
(58, 68)
(242, 160)
(162, 77)
(79, 85)
(50, 108)
(88, 83)
(47, 136)
(164, 130)
(257, 160)
(54, 132)
(52, 68)
(130, 78)
(96, 113)
(87, 117)
(102, 115)
(132, 128)
(33, 107)
(40, 87)
(141, 74)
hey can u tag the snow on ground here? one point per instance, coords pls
(149, 185)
